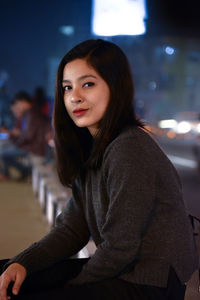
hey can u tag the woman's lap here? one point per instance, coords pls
(51, 284)
(114, 289)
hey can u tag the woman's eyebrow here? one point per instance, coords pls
(80, 78)
(86, 76)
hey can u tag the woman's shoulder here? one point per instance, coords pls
(134, 144)
(133, 137)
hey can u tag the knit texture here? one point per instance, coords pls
(132, 206)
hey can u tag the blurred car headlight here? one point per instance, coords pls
(183, 127)
(171, 123)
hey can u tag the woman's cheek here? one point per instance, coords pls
(66, 106)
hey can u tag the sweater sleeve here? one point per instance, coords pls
(67, 237)
(129, 173)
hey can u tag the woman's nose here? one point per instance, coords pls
(76, 97)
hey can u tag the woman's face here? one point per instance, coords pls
(86, 94)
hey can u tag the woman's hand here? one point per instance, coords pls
(14, 273)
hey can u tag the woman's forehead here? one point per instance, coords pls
(78, 68)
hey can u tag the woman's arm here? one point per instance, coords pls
(67, 237)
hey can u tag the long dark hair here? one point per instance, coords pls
(75, 147)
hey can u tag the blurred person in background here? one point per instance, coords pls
(126, 195)
(40, 100)
(28, 137)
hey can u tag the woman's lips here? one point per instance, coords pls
(79, 112)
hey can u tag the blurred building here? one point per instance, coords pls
(164, 60)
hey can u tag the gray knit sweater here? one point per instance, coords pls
(133, 209)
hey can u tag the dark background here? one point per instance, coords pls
(29, 32)
(174, 17)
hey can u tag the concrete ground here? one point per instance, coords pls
(21, 220)
(22, 223)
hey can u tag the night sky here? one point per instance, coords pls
(30, 34)
(29, 31)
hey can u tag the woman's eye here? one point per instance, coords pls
(88, 84)
(66, 88)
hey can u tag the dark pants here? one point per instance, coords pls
(51, 284)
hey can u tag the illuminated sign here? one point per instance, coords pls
(118, 17)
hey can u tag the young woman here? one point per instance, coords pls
(126, 195)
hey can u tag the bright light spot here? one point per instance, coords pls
(169, 50)
(183, 127)
(171, 123)
(198, 128)
(67, 30)
(171, 134)
(118, 17)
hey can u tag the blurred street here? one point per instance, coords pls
(181, 154)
